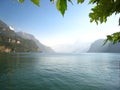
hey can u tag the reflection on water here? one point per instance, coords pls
(36, 71)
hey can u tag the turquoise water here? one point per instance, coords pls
(36, 71)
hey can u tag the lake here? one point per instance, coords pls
(40, 71)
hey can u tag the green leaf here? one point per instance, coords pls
(36, 2)
(58, 5)
(105, 42)
(110, 38)
(21, 1)
(61, 5)
(93, 1)
(80, 1)
(52, 1)
(114, 38)
(70, 1)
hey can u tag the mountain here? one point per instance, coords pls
(97, 46)
(41, 47)
(2, 24)
(10, 41)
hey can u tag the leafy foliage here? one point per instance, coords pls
(114, 38)
(36, 2)
(100, 12)
(61, 6)
(80, 1)
(21, 1)
(103, 9)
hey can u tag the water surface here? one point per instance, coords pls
(39, 71)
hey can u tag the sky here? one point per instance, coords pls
(50, 27)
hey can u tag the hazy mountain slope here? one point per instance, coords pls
(41, 47)
(97, 46)
(2, 24)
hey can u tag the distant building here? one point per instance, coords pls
(18, 42)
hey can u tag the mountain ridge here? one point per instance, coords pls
(38, 43)
(11, 41)
(97, 47)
